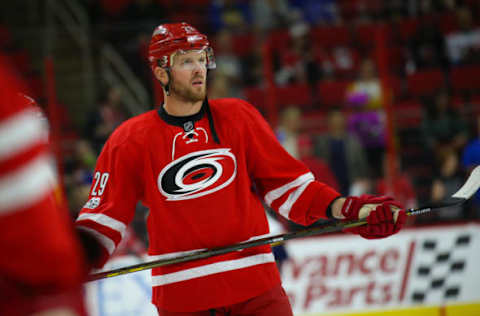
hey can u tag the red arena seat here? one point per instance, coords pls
(332, 93)
(366, 34)
(407, 28)
(408, 114)
(289, 95)
(448, 23)
(331, 36)
(425, 82)
(294, 95)
(280, 40)
(465, 78)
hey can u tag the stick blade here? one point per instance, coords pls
(470, 186)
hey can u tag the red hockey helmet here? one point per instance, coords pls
(168, 39)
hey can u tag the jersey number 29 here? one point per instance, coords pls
(101, 180)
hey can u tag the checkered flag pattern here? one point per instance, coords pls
(439, 269)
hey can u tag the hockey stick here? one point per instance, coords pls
(463, 194)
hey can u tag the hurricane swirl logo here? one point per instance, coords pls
(197, 174)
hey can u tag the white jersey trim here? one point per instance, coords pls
(106, 242)
(104, 220)
(285, 208)
(278, 192)
(20, 132)
(209, 269)
(26, 185)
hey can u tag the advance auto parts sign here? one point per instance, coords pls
(347, 273)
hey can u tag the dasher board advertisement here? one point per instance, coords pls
(416, 267)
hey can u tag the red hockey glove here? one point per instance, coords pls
(384, 215)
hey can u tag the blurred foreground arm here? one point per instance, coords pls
(41, 266)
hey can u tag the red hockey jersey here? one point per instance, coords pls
(40, 260)
(201, 194)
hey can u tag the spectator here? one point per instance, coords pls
(106, 118)
(448, 181)
(369, 128)
(85, 154)
(233, 15)
(471, 159)
(318, 12)
(288, 130)
(471, 153)
(228, 63)
(344, 155)
(76, 197)
(367, 121)
(337, 62)
(297, 62)
(464, 46)
(78, 174)
(325, 62)
(427, 48)
(270, 14)
(367, 86)
(443, 128)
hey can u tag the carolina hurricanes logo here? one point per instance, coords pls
(197, 174)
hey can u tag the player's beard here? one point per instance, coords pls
(188, 93)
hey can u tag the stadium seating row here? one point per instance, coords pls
(332, 93)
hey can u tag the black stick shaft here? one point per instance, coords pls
(277, 239)
(272, 240)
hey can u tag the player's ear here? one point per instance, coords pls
(161, 75)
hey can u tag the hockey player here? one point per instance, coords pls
(41, 261)
(194, 163)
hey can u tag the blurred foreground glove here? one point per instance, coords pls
(384, 215)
